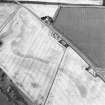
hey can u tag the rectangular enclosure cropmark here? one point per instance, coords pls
(84, 27)
(30, 56)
